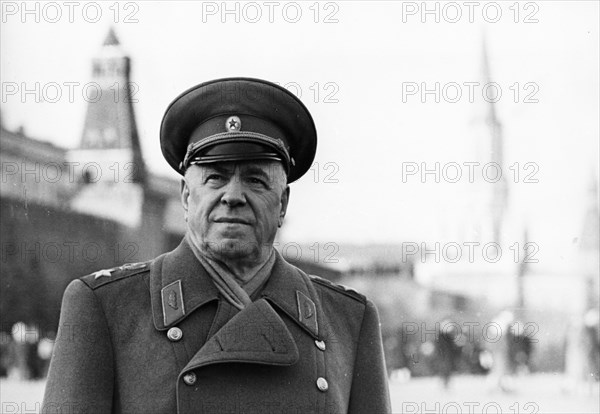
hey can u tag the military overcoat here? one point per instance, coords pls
(156, 337)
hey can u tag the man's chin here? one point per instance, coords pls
(233, 249)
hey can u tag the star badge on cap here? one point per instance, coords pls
(233, 123)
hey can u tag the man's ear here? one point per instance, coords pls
(185, 194)
(285, 198)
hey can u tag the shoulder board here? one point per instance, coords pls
(340, 288)
(105, 276)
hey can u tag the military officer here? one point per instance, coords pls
(222, 324)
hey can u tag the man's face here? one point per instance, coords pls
(234, 208)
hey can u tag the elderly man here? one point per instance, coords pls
(222, 324)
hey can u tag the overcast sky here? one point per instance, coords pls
(360, 57)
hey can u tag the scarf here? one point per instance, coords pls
(236, 293)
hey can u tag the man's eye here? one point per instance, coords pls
(257, 181)
(215, 177)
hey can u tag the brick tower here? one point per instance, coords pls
(109, 155)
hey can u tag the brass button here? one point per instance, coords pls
(174, 334)
(320, 345)
(322, 384)
(189, 378)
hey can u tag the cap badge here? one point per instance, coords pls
(233, 123)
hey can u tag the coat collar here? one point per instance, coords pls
(179, 285)
(291, 291)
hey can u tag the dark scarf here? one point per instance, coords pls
(239, 295)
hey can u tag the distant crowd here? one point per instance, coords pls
(25, 353)
(450, 351)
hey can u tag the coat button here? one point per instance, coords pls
(320, 345)
(189, 378)
(322, 384)
(174, 334)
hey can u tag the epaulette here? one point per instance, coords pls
(339, 288)
(105, 276)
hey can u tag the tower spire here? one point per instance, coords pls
(110, 119)
(111, 38)
(496, 155)
(109, 151)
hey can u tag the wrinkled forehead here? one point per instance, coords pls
(267, 168)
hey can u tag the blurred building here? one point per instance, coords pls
(68, 212)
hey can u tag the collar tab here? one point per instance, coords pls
(172, 302)
(307, 313)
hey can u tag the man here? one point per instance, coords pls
(222, 324)
(448, 350)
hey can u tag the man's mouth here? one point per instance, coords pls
(231, 220)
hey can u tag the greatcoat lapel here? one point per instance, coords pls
(255, 335)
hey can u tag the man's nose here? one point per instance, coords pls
(234, 193)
